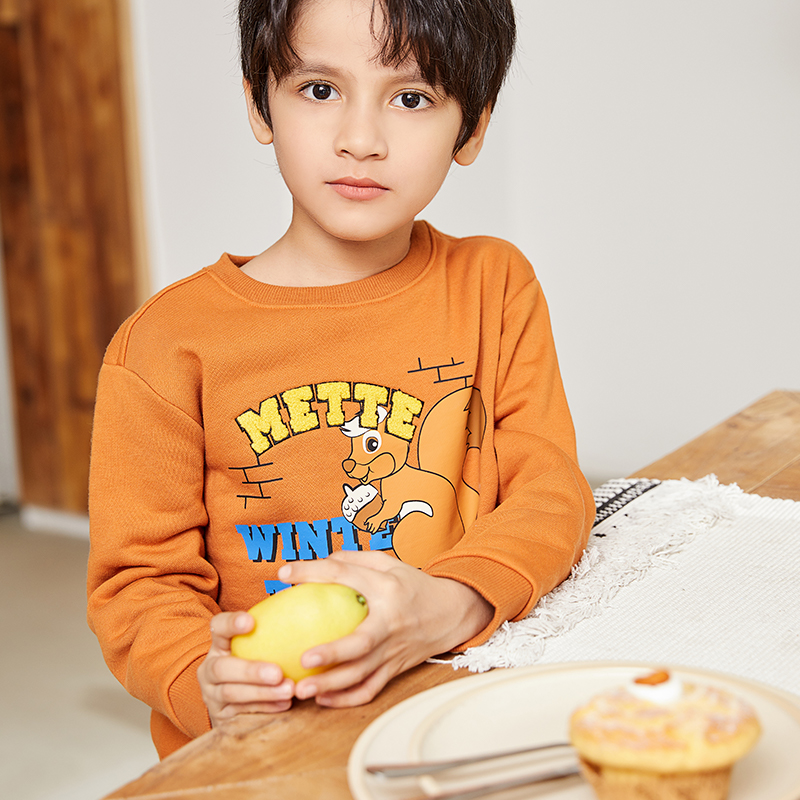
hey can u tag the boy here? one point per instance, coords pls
(365, 384)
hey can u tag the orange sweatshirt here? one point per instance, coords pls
(240, 426)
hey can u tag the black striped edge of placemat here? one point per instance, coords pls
(617, 493)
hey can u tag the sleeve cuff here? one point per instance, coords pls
(510, 593)
(189, 712)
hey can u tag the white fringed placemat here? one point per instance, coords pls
(691, 573)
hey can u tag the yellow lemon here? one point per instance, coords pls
(294, 620)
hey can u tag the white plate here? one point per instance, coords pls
(505, 709)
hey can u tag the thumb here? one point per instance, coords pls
(228, 624)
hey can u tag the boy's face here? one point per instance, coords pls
(362, 147)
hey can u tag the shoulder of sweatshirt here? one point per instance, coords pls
(176, 308)
(492, 254)
(495, 267)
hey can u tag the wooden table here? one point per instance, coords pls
(303, 753)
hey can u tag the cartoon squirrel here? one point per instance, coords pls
(428, 506)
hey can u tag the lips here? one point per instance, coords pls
(358, 188)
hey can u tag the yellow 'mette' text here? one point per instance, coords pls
(298, 410)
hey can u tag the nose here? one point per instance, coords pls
(348, 465)
(360, 134)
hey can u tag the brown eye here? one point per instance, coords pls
(320, 91)
(411, 100)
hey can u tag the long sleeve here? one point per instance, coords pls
(527, 544)
(151, 589)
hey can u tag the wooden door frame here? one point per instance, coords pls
(73, 229)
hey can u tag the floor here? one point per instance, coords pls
(69, 730)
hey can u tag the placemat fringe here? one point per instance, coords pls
(643, 524)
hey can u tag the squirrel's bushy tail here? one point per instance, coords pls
(455, 458)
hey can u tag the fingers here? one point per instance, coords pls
(232, 686)
(243, 693)
(369, 651)
(226, 625)
(358, 694)
(227, 700)
(374, 559)
(227, 669)
(347, 567)
(350, 660)
(230, 711)
(349, 648)
(350, 684)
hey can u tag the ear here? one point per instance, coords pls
(260, 129)
(469, 152)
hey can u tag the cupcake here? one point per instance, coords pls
(659, 738)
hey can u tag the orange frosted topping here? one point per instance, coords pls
(654, 678)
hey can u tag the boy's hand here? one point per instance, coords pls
(412, 616)
(232, 686)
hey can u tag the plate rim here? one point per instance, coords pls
(477, 681)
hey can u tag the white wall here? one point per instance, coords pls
(644, 156)
(210, 187)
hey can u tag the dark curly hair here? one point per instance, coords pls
(462, 47)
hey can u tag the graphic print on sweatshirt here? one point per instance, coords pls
(408, 479)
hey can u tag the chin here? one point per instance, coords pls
(365, 233)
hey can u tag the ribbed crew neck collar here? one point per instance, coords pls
(391, 280)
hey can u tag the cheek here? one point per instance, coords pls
(430, 155)
(431, 165)
(293, 157)
(295, 143)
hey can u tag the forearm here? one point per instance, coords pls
(466, 614)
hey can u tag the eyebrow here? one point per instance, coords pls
(303, 70)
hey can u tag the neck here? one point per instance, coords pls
(310, 257)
